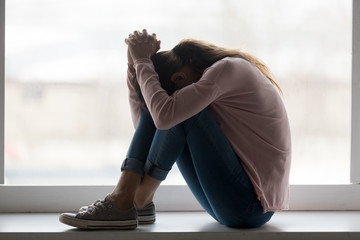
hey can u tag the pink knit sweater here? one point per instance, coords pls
(247, 108)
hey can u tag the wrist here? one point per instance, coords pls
(140, 60)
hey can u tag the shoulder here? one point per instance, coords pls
(228, 68)
(230, 63)
(237, 61)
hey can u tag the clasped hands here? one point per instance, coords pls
(141, 45)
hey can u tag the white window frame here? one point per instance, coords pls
(355, 111)
(24, 198)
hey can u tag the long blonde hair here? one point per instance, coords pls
(199, 55)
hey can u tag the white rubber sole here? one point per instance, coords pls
(141, 219)
(70, 219)
(146, 219)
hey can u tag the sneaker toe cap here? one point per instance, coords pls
(66, 216)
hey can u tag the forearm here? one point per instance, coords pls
(136, 105)
(167, 111)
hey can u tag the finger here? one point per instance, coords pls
(137, 36)
(152, 37)
(130, 42)
(155, 41)
(131, 37)
(158, 43)
(145, 36)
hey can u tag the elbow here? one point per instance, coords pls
(163, 117)
(162, 125)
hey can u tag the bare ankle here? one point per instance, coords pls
(122, 202)
(142, 202)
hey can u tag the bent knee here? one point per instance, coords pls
(245, 221)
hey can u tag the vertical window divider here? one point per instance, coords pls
(2, 91)
(355, 111)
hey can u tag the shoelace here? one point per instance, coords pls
(90, 209)
(96, 205)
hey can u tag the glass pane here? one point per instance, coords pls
(67, 119)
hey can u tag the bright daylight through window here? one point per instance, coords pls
(67, 119)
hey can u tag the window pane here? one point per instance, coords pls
(67, 119)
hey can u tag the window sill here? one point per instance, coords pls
(191, 225)
(168, 198)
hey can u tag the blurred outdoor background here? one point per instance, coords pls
(67, 119)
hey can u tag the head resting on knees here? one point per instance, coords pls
(186, 62)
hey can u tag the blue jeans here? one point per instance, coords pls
(207, 162)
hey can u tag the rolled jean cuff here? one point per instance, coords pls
(133, 165)
(154, 171)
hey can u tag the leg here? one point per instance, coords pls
(215, 174)
(146, 191)
(161, 157)
(133, 185)
(221, 177)
(117, 210)
(187, 169)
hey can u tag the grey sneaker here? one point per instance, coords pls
(102, 215)
(146, 215)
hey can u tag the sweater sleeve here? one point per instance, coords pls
(134, 101)
(167, 111)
